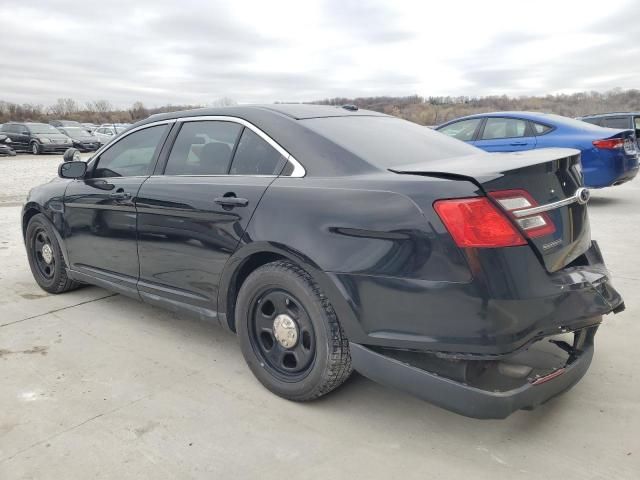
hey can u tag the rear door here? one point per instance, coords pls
(504, 134)
(192, 216)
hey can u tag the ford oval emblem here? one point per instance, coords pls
(582, 195)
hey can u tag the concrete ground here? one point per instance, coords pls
(95, 385)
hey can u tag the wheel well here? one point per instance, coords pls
(28, 215)
(253, 262)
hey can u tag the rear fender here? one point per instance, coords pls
(244, 254)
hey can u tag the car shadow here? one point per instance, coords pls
(605, 201)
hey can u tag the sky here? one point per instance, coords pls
(196, 52)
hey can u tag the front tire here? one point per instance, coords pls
(289, 333)
(35, 148)
(45, 257)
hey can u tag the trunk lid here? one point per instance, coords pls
(550, 176)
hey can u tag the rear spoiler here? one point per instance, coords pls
(483, 166)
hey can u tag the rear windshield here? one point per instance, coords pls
(570, 122)
(387, 142)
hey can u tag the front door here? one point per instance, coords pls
(191, 218)
(502, 134)
(100, 210)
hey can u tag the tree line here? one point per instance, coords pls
(96, 111)
(418, 109)
(436, 110)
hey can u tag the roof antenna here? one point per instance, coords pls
(350, 107)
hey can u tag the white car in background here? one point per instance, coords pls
(107, 131)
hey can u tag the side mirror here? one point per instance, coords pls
(72, 169)
(71, 155)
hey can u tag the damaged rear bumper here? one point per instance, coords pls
(493, 392)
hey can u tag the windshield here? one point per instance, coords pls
(76, 132)
(120, 129)
(388, 141)
(41, 128)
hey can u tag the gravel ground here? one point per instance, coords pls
(95, 385)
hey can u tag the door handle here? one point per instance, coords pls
(231, 201)
(518, 144)
(120, 195)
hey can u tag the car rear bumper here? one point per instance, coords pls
(4, 150)
(626, 176)
(469, 399)
(496, 314)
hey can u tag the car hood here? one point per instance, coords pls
(84, 138)
(51, 136)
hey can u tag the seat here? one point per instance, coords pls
(214, 159)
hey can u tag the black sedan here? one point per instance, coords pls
(82, 140)
(332, 239)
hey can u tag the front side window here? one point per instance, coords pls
(132, 156)
(254, 156)
(503, 128)
(462, 130)
(203, 148)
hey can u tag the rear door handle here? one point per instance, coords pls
(231, 201)
(519, 144)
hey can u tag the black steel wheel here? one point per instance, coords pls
(45, 257)
(289, 333)
(43, 251)
(282, 334)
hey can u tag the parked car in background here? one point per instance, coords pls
(107, 131)
(5, 145)
(82, 139)
(36, 137)
(609, 156)
(90, 127)
(330, 239)
(65, 123)
(616, 120)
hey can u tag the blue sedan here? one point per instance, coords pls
(609, 155)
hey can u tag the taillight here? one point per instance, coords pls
(536, 225)
(477, 222)
(609, 143)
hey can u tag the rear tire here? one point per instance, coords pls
(45, 257)
(35, 148)
(289, 333)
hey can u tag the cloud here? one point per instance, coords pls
(160, 51)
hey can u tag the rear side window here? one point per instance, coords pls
(254, 156)
(462, 130)
(131, 156)
(203, 148)
(616, 122)
(593, 121)
(496, 128)
(540, 129)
